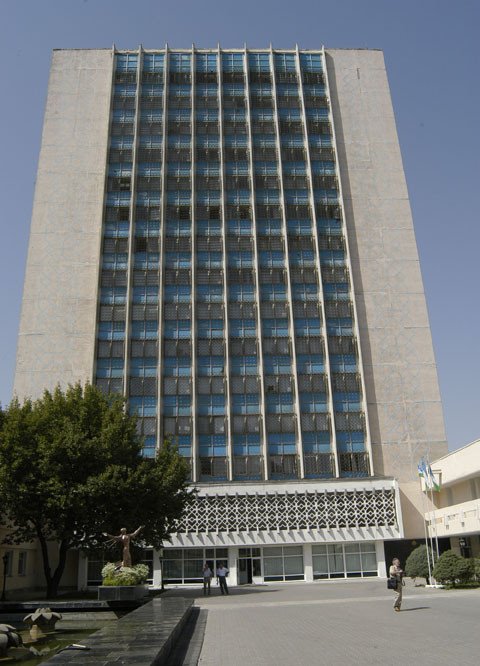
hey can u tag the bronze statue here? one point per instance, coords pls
(125, 539)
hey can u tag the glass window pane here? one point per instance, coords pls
(273, 566)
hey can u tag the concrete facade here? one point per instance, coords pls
(56, 340)
(403, 396)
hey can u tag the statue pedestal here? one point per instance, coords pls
(122, 592)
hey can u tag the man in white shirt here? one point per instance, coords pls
(222, 573)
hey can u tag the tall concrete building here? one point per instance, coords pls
(225, 236)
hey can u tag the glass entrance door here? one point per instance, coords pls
(245, 571)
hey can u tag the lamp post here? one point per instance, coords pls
(5, 559)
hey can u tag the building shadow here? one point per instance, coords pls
(239, 590)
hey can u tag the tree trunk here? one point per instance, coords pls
(52, 582)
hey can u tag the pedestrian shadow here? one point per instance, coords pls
(406, 610)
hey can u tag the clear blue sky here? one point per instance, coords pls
(431, 52)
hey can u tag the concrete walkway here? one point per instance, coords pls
(338, 623)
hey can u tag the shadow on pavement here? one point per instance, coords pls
(197, 593)
(405, 610)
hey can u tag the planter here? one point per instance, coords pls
(122, 592)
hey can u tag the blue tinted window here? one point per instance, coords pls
(153, 62)
(177, 366)
(180, 62)
(310, 364)
(259, 62)
(206, 62)
(127, 63)
(232, 62)
(143, 367)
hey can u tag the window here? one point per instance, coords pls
(178, 169)
(240, 259)
(206, 62)
(207, 89)
(117, 229)
(346, 401)
(147, 260)
(317, 114)
(243, 365)
(211, 405)
(109, 367)
(22, 563)
(177, 366)
(127, 62)
(241, 292)
(332, 257)
(177, 405)
(207, 115)
(336, 291)
(302, 258)
(126, 90)
(235, 114)
(326, 226)
(150, 169)
(209, 293)
(177, 293)
(179, 115)
(298, 168)
(232, 62)
(179, 62)
(273, 292)
(152, 90)
(262, 114)
(208, 197)
(153, 62)
(340, 326)
(145, 405)
(325, 168)
(208, 168)
(350, 441)
(271, 258)
(320, 140)
(314, 90)
(151, 141)
(343, 363)
(296, 196)
(177, 141)
(266, 168)
(290, 114)
(178, 227)
(212, 445)
(124, 115)
(207, 140)
(210, 328)
(283, 563)
(234, 89)
(310, 364)
(120, 169)
(246, 445)
(264, 140)
(180, 90)
(269, 227)
(259, 62)
(178, 259)
(149, 198)
(282, 443)
(277, 365)
(235, 140)
(144, 330)
(9, 567)
(275, 327)
(311, 62)
(307, 326)
(111, 330)
(268, 196)
(242, 328)
(285, 62)
(316, 442)
(239, 227)
(177, 329)
(151, 115)
(210, 366)
(209, 259)
(118, 199)
(287, 89)
(279, 403)
(184, 443)
(349, 560)
(313, 402)
(304, 291)
(209, 227)
(237, 168)
(143, 367)
(245, 403)
(113, 295)
(261, 89)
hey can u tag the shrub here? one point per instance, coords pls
(416, 565)
(113, 576)
(445, 570)
(451, 568)
(476, 561)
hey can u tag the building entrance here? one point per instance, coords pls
(249, 566)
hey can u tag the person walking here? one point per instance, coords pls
(397, 572)
(207, 579)
(222, 573)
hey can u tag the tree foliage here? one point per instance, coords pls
(416, 565)
(71, 468)
(451, 568)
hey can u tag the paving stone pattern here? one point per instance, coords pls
(341, 623)
(145, 636)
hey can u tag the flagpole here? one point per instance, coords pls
(432, 479)
(427, 481)
(426, 533)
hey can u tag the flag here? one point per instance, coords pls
(433, 483)
(423, 473)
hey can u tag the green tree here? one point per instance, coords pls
(71, 468)
(465, 569)
(416, 565)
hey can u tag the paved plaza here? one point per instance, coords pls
(337, 623)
